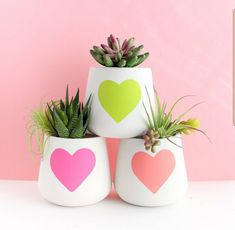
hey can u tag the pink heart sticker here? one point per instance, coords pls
(72, 170)
(153, 171)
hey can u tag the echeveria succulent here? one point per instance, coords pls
(115, 54)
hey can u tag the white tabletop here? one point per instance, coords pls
(208, 205)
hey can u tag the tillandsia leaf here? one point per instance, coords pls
(151, 109)
(60, 126)
(49, 109)
(49, 120)
(177, 101)
(161, 124)
(51, 125)
(150, 123)
(183, 114)
(107, 60)
(60, 113)
(167, 121)
(131, 62)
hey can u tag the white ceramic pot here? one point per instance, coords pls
(74, 172)
(150, 179)
(118, 95)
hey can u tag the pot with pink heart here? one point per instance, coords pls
(151, 170)
(74, 168)
(119, 89)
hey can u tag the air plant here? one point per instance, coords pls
(67, 118)
(161, 123)
(116, 54)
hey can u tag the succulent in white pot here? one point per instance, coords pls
(118, 89)
(74, 167)
(151, 170)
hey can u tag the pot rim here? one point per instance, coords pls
(73, 139)
(128, 68)
(178, 136)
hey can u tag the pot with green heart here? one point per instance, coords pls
(151, 170)
(74, 167)
(118, 89)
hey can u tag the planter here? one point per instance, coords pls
(118, 95)
(74, 172)
(150, 179)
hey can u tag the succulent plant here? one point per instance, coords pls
(116, 54)
(162, 125)
(151, 140)
(67, 118)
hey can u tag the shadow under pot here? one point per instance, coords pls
(151, 179)
(74, 172)
(118, 95)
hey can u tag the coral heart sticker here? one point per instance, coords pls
(72, 170)
(154, 171)
(118, 100)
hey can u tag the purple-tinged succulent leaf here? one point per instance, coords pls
(119, 54)
(113, 42)
(109, 42)
(107, 49)
(124, 45)
(128, 49)
(119, 44)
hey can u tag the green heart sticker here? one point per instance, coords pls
(118, 100)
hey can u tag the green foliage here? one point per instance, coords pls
(67, 118)
(116, 55)
(161, 123)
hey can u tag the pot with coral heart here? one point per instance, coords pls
(74, 169)
(151, 170)
(119, 89)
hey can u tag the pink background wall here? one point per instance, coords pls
(45, 44)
